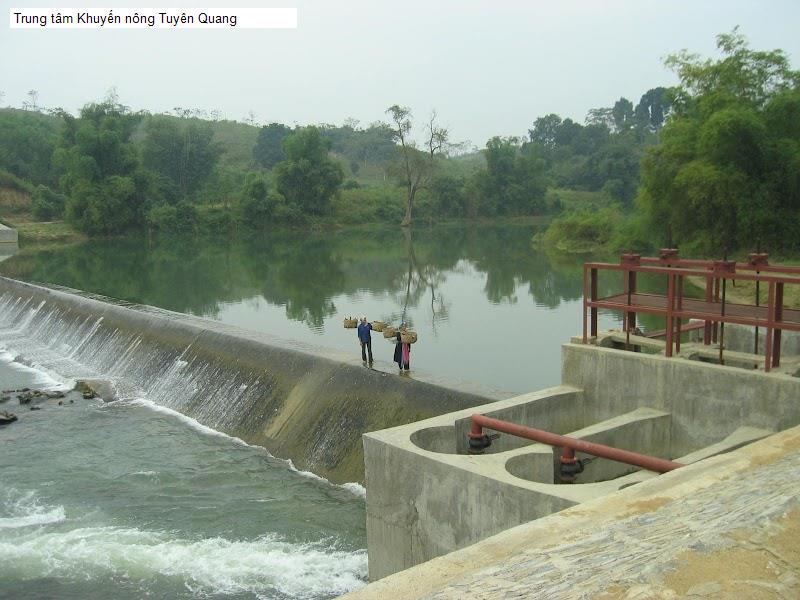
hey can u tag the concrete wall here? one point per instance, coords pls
(707, 402)
(422, 503)
(739, 338)
(611, 546)
(7, 236)
(301, 402)
(427, 497)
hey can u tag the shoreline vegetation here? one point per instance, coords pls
(711, 165)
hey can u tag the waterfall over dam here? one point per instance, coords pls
(303, 403)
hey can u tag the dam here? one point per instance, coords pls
(429, 495)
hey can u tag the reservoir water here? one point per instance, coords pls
(130, 499)
(489, 307)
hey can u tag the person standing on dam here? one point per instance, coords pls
(402, 351)
(365, 337)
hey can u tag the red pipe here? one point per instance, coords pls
(650, 463)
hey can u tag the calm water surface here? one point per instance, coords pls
(488, 307)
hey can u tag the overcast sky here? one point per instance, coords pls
(489, 67)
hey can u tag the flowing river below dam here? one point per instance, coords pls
(132, 499)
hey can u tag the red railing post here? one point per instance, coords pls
(777, 316)
(670, 304)
(594, 299)
(678, 307)
(585, 298)
(770, 326)
(709, 298)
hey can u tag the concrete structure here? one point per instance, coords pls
(9, 242)
(8, 236)
(723, 528)
(304, 403)
(426, 496)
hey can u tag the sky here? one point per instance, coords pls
(488, 67)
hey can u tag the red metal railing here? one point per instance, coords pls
(714, 309)
(570, 445)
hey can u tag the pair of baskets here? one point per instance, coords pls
(406, 336)
(351, 323)
(389, 332)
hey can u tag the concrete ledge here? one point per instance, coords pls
(427, 496)
(707, 402)
(697, 513)
(8, 236)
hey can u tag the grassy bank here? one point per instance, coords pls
(744, 292)
(15, 211)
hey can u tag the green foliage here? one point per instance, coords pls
(99, 166)
(369, 205)
(26, 144)
(726, 174)
(167, 218)
(258, 203)
(583, 231)
(11, 181)
(182, 150)
(604, 154)
(448, 196)
(268, 150)
(308, 178)
(47, 205)
(513, 182)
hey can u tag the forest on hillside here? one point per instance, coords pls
(713, 162)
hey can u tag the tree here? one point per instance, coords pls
(545, 131)
(100, 171)
(33, 101)
(513, 182)
(308, 178)
(258, 202)
(653, 108)
(417, 166)
(26, 145)
(268, 150)
(726, 173)
(181, 150)
(622, 112)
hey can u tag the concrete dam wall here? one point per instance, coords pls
(303, 403)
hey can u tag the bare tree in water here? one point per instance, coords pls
(417, 164)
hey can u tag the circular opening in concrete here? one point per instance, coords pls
(533, 466)
(436, 439)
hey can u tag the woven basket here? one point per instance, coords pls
(389, 332)
(408, 337)
(350, 323)
(378, 326)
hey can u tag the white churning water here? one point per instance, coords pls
(132, 498)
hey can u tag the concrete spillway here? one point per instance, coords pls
(307, 404)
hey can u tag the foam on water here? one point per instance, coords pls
(35, 545)
(41, 378)
(353, 487)
(24, 510)
(212, 565)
